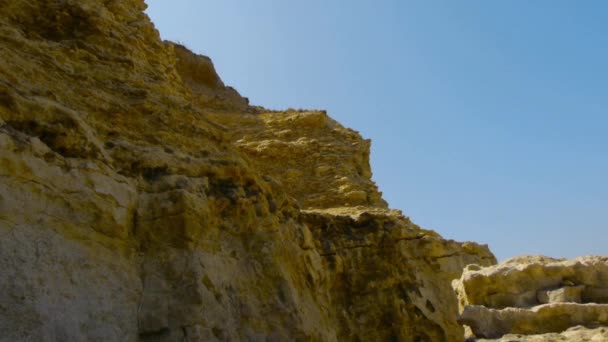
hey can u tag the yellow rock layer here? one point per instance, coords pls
(143, 200)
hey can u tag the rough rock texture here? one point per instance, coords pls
(306, 150)
(142, 199)
(574, 334)
(544, 318)
(534, 295)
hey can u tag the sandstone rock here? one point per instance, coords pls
(364, 249)
(305, 150)
(571, 294)
(143, 200)
(533, 295)
(515, 282)
(575, 334)
(199, 74)
(546, 318)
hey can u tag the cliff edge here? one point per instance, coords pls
(141, 199)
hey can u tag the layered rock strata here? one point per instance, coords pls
(574, 334)
(534, 295)
(143, 200)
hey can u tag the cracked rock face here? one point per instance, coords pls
(534, 295)
(141, 199)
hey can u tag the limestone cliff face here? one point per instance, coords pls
(142, 199)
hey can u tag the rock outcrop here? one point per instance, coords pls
(142, 199)
(574, 334)
(534, 295)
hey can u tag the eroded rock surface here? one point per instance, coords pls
(574, 334)
(142, 199)
(534, 295)
(306, 150)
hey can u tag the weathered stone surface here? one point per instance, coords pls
(517, 281)
(566, 294)
(304, 150)
(533, 295)
(574, 334)
(546, 318)
(374, 256)
(199, 74)
(142, 199)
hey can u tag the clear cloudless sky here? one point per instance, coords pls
(488, 119)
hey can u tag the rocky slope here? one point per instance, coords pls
(142, 199)
(536, 295)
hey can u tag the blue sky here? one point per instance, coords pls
(487, 118)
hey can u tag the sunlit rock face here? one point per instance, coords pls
(575, 334)
(141, 199)
(538, 296)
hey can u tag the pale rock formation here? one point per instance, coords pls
(574, 334)
(143, 200)
(544, 318)
(534, 295)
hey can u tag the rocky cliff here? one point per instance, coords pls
(141, 199)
